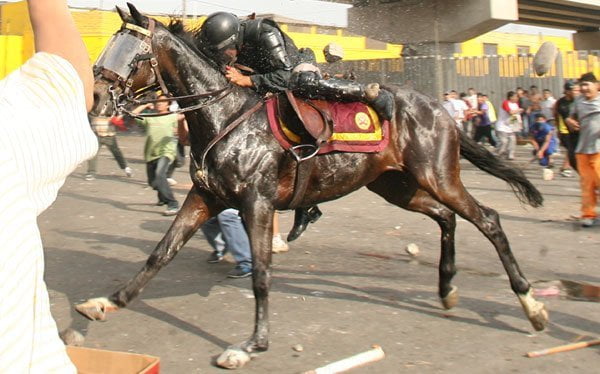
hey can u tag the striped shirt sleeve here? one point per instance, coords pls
(44, 135)
(46, 125)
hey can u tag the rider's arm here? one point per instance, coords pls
(273, 42)
(237, 78)
(271, 82)
(55, 32)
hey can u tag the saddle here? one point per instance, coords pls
(314, 115)
(325, 126)
(307, 127)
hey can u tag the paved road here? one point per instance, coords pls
(345, 285)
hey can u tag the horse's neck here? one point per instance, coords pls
(191, 76)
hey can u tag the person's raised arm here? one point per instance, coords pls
(140, 108)
(55, 32)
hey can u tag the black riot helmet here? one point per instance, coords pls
(220, 31)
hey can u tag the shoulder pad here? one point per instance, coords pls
(252, 30)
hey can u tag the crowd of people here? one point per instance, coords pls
(546, 123)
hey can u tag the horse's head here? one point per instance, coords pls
(127, 66)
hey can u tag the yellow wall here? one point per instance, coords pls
(354, 46)
(508, 43)
(14, 19)
(11, 54)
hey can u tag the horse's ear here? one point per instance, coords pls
(140, 19)
(124, 16)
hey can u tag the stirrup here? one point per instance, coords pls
(298, 156)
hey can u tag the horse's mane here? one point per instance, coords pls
(190, 37)
(176, 28)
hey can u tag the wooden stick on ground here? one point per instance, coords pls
(352, 362)
(563, 348)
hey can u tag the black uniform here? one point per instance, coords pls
(269, 52)
(264, 48)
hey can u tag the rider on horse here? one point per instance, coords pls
(278, 65)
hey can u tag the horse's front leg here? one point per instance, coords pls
(258, 219)
(196, 209)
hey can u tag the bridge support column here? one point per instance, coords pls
(586, 40)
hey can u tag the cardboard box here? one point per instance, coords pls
(99, 361)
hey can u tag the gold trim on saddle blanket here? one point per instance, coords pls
(362, 121)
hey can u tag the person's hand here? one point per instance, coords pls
(572, 124)
(540, 154)
(237, 78)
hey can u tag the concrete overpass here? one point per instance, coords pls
(423, 23)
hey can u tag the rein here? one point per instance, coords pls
(212, 97)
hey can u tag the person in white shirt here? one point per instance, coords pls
(465, 111)
(449, 106)
(46, 134)
(547, 105)
(508, 123)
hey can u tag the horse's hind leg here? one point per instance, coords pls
(446, 219)
(418, 200)
(196, 209)
(449, 190)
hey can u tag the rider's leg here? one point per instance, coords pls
(311, 84)
(302, 218)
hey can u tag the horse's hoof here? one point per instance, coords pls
(71, 337)
(96, 309)
(535, 311)
(451, 300)
(540, 320)
(233, 358)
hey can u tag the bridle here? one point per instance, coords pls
(127, 97)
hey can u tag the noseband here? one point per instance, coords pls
(127, 95)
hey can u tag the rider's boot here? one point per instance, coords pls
(302, 218)
(381, 100)
(310, 84)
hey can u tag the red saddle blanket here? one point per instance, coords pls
(356, 128)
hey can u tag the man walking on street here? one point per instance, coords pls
(160, 150)
(585, 117)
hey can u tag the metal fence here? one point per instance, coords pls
(493, 75)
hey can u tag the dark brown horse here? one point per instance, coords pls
(250, 171)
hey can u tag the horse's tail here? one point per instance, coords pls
(488, 162)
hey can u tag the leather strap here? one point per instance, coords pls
(304, 166)
(228, 129)
(303, 170)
